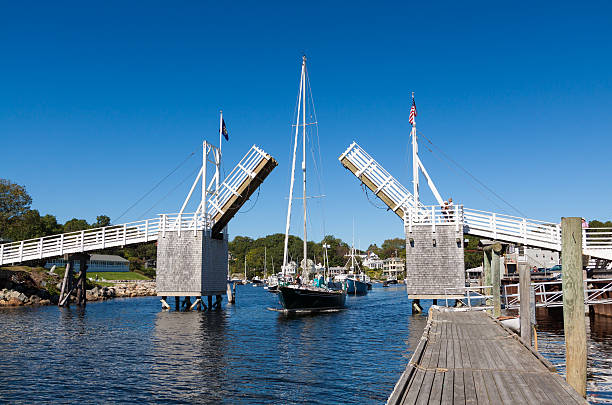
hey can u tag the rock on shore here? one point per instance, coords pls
(36, 286)
(141, 288)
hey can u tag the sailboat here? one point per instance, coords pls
(356, 281)
(301, 296)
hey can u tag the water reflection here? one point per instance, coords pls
(551, 341)
(127, 350)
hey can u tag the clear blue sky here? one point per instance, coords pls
(98, 103)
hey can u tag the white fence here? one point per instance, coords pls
(550, 293)
(100, 238)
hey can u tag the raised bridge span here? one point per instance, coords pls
(214, 214)
(597, 242)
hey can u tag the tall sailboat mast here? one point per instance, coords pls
(265, 262)
(303, 91)
(297, 129)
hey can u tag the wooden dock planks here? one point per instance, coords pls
(467, 357)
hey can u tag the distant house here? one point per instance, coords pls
(96, 263)
(290, 268)
(372, 261)
(334, 271)
(394, 266)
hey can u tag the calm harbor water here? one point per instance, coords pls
(127, 350)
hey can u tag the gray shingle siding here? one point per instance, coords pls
(191, 264)
(430, 269)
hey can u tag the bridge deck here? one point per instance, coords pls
(469, 358)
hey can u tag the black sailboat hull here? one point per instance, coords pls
(310, 298)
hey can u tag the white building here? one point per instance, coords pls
(394, 267)
(290, 268)
(334, 271)
(96, 263)
(372, 261)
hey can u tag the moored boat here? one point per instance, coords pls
(296, 297)
(302, 296)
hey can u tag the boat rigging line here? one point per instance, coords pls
(189, 176)
(155, 186)
(469, 173)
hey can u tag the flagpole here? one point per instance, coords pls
(415, 164)
(220, 132)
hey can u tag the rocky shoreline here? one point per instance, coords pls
(37, 286)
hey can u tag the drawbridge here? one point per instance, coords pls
(221, 201)
(597, 242)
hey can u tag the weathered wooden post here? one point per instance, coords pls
(82, 281)
(495, 278)
(573, 304)
(65, 285)
(525, 309)
(486, 268)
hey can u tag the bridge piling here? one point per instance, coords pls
(81, 295)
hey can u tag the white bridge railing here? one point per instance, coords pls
(100, 238)
(365, 165)
(596, 242)
(230, 186)
(434, 216)
(509, 228)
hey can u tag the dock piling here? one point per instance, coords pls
(495, 278)
(573, 304)
(525, 308)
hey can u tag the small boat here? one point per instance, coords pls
(301, 296)
(390, 281)
(356, 283)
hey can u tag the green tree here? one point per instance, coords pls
(50, 225)
(472, 255)
(26, 226)
(101, 221)
(14, 202)
(75, 225)
(393, 247)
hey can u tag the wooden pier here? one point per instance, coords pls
(467, 357)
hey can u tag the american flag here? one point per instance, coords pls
(413, 112)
